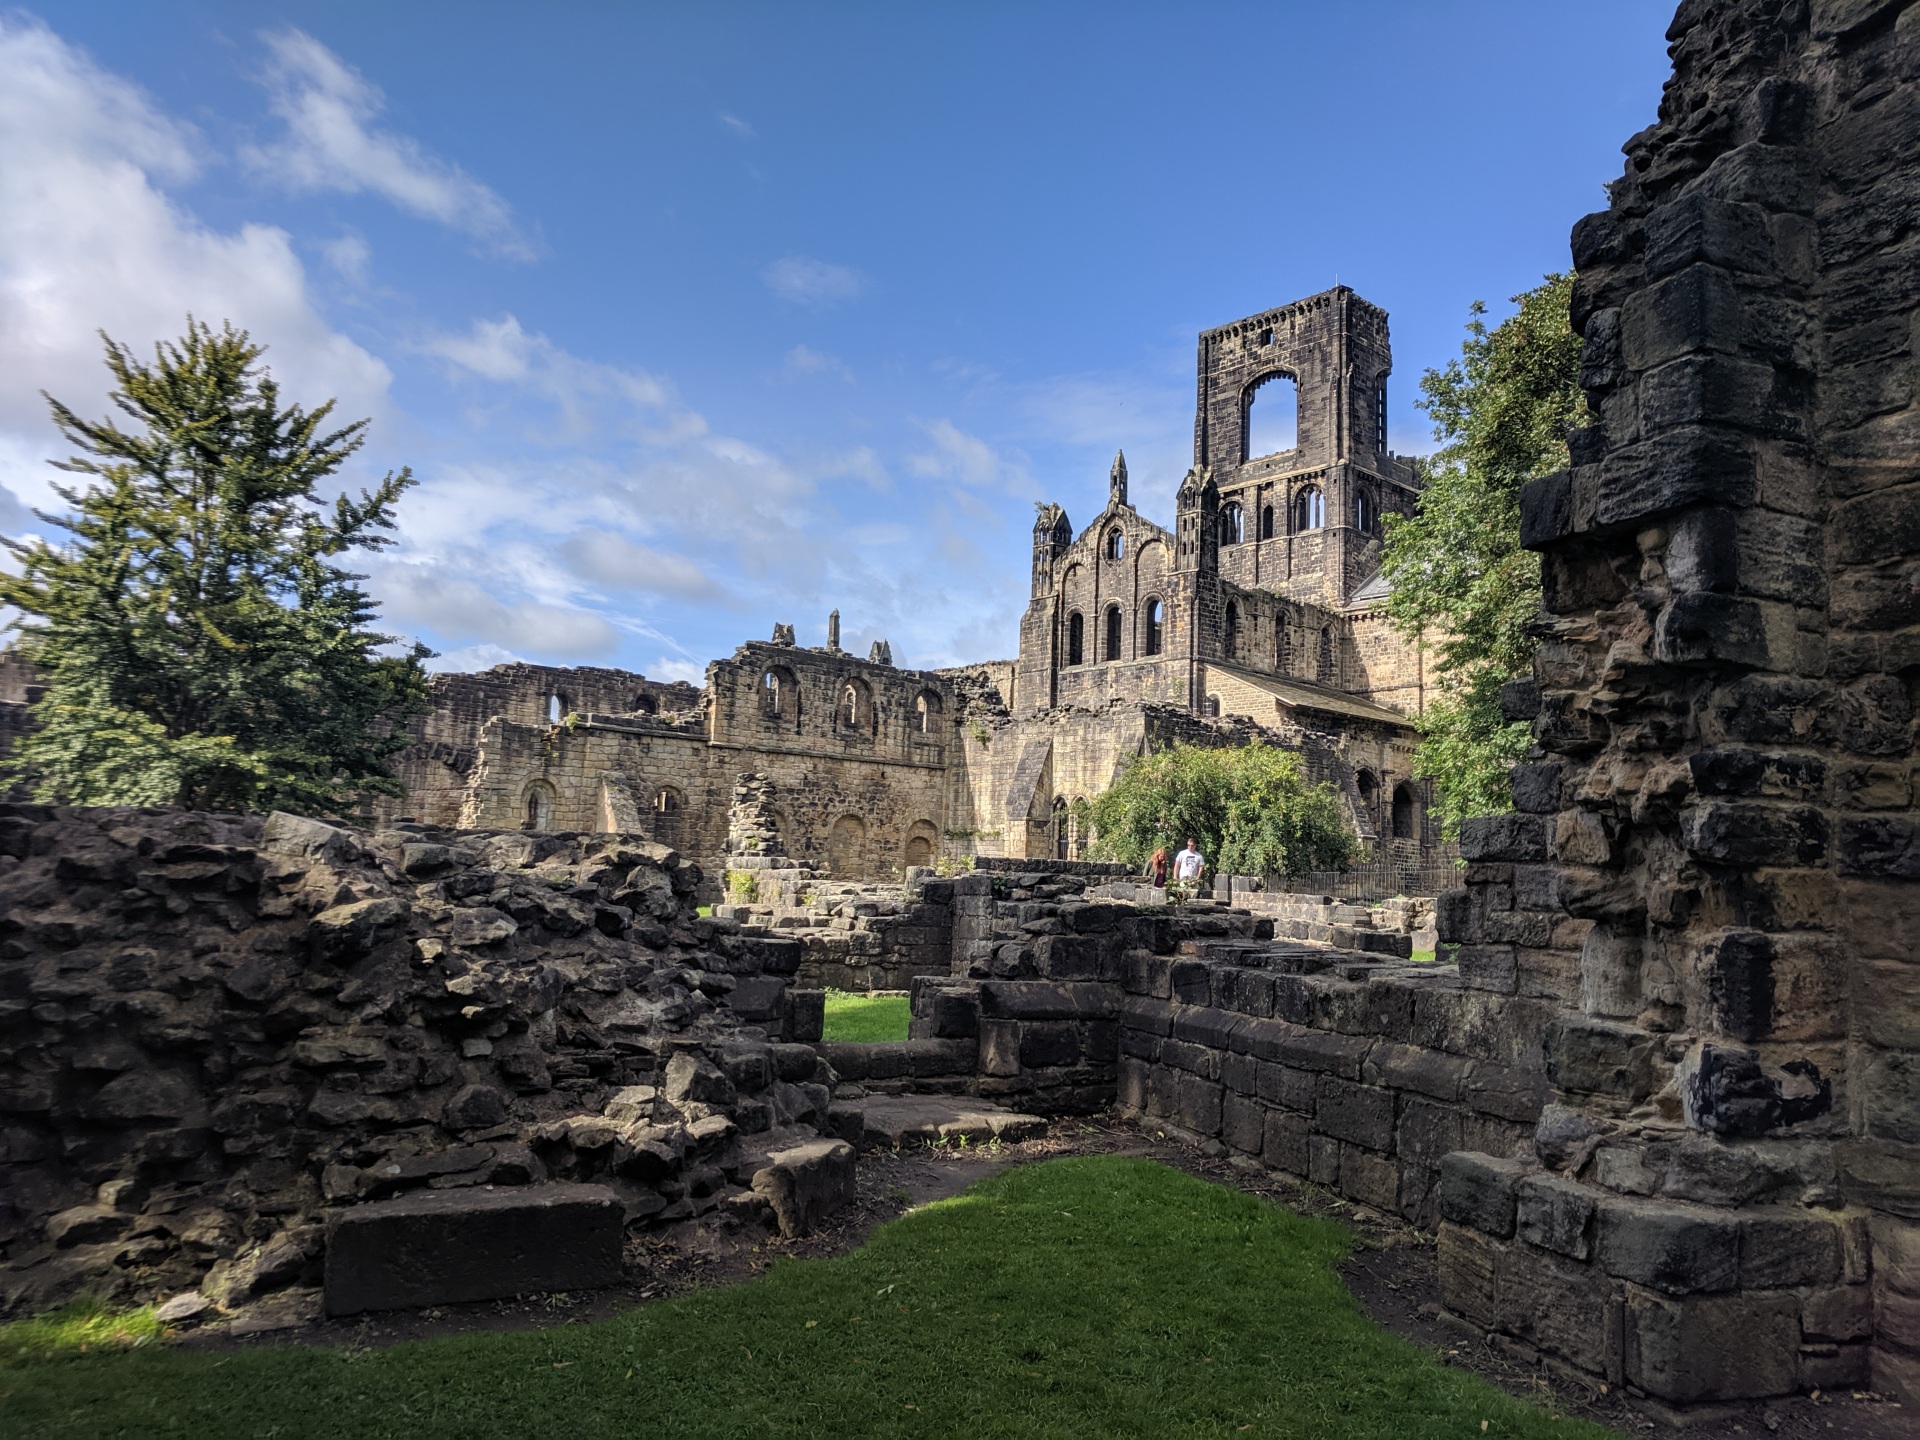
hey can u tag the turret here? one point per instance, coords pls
(1117, 479)
(1052, 534)
(1197, 524)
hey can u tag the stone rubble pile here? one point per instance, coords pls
(218, 1033)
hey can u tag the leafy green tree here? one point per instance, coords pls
(199, 643)
(1250, 807)
(1460, 579)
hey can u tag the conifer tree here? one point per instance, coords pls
(199, 642)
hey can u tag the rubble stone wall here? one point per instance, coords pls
(1713, 864)
(216, 1032)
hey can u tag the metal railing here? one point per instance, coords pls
(1433, 869)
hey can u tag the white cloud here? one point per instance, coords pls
(472, 657)
(812, 282)
(956, 455)
(801, 360)
(333, 143)
(349, 255)
(617, 563)
(738, 126)
(688, 670)
(439, 598)
(89, 241)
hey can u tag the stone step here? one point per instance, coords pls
(892, 1120)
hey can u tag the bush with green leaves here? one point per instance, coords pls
(1251, 808)
(1459, 577)
(199, 642)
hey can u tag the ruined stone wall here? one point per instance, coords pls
(216, 1033)
(1383, 666)
(850, 937)
(1714, 858)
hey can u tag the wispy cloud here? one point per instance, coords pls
(333, 142)
(739, 127)
(957, 455)
(812, 282)
(802, 360)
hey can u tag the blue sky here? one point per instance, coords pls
(690, 319)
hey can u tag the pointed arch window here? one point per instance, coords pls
(1116, 543)
(1326, 656)
(1231, 640)
(1076, 638)
(1232, 523)
(1366, 512)
(1309, 509)
(1266, 522)
(1153, 628)
(1114, 628)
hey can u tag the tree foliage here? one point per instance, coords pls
(199, 643)
(1250, 807)
(1459, 577)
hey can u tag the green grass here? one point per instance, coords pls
(75, 1329)
(1423, 956)
(865, 1018)
(1081, 1297)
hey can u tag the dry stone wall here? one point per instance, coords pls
(219, 1033)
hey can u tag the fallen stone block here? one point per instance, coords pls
(806, 1183)
(447, 1246)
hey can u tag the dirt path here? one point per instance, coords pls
(1392, 1274)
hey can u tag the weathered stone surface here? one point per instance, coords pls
(807, 1183)
(1734, 1347)
(448, 1246)
(1678, 1249)
(1478, 1192)
(1555, 1214)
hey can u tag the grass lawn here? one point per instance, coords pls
(865, 1018)
(1080, 1297)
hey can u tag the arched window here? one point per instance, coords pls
(1062, 836)
(1380, 415)
(1116, 543)
(1309, 509)
(1113, 633)
(1326, 656)
(1231, 640)
(1153, 627)
(1280, 655)
(667, 805)
(919, 848)
(855, 708)
(1403, 811)
(1271, 419)
(539, 806)
(846, 847)
(1366, 512)
(779, 692)
(1232, 523)
(556, 709)
(1369, 788)
(1076, 638)
(1213, 706)
(926, 712)
(645, 705)
(1266, 522)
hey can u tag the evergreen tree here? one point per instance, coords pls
(200, 645)
(1250, 807)
(1502, 411)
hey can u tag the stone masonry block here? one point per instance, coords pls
(1243, 1124)
(1736, 1347)
(1284, 1142)
(1369, 1179)
(1427, 1131)
(1197, 1105)
(1358, 1113)
(1556, 1214)
(1045, 1000)
(1000, 1047)
(1467, 1263)
(1285, 1086)
(1411, 1067)
(806, 1183)
(1678, 1249)
(1477, 1191)
(445, 1247)
(1558, 1305)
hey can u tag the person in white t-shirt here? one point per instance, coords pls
(1189, 864)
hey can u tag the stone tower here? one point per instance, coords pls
(1304, 521)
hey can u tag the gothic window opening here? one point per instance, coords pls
(1062, 831)
(556, 709)
(1309, 509)
(645, 705)
(926, 712)
(1366, 512)
(855, 709)
(539, 806)
(1116, 544)
(1271, 417)
(1369, 788)
(667, 807)
(1232, 637)
(1076, 638)
(1113, 633)
(1213, 707)
(1232, 523)
(1403, 811)
(1280, 655)
(1266, 522)
(1326, 657)
(779, 692)
(1155, 627)
(1380, 415)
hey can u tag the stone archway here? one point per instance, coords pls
(847, 847)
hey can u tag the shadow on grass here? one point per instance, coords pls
(1080, 1297)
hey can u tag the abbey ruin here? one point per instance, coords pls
(1260, 614)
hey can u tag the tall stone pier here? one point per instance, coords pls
(1714, 858)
